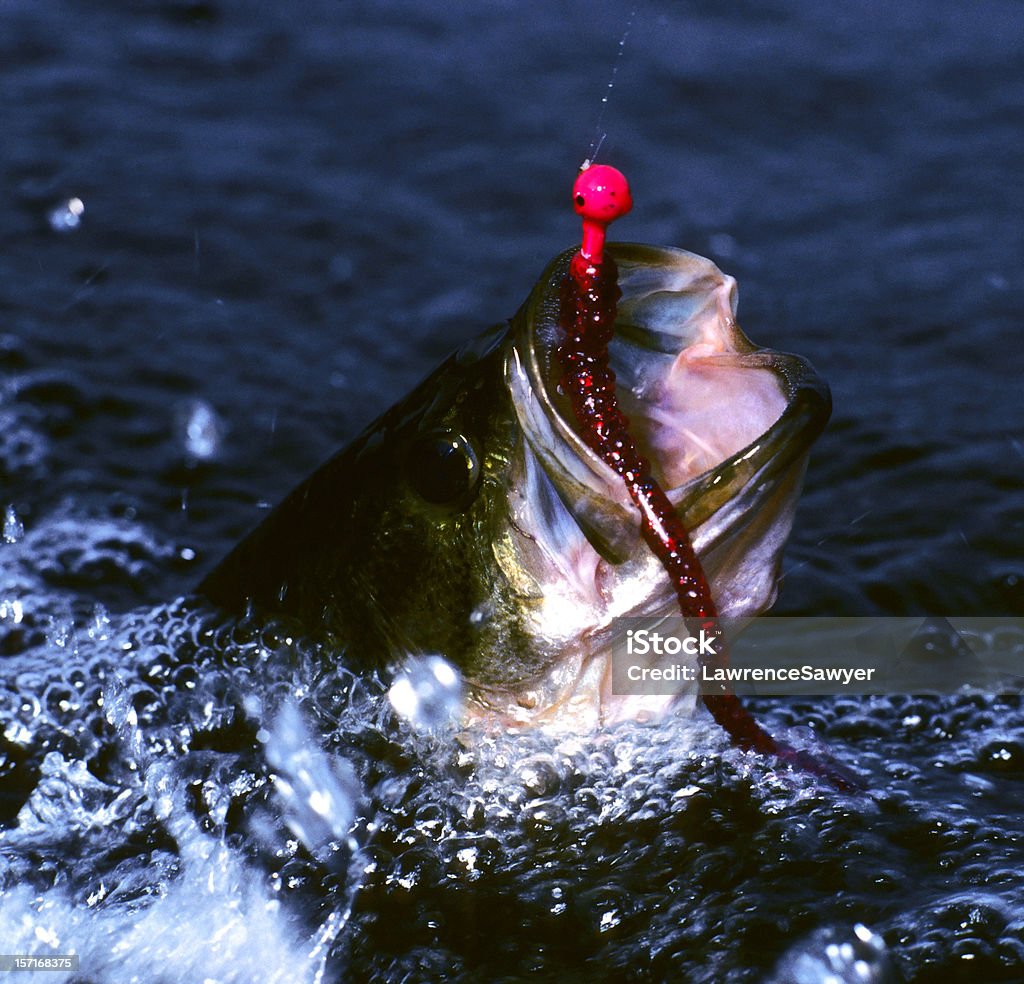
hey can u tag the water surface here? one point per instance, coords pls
(288, 219)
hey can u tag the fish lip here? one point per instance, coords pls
(713, 502)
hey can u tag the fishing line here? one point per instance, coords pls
(599, 135)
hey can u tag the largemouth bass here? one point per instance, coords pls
(472, 520)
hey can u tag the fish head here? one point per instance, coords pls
(472, 520)
(727, 427)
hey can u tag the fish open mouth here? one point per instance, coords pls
(725, 424)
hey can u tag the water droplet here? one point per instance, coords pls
(482, 614)
(100, 623)
(67, 216)
(14, 529)
(341, 269)
(427, 693)
(11, 608)
(61, 631)
(201, 430)
(319, 791)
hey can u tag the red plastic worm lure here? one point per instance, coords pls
(590, 295)
(600, 195)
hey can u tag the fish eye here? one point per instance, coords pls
(443, 468)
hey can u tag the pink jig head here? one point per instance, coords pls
(600, 195)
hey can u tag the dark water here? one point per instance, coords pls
(290, 216)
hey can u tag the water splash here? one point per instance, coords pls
(137, 843)
(319, 794)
